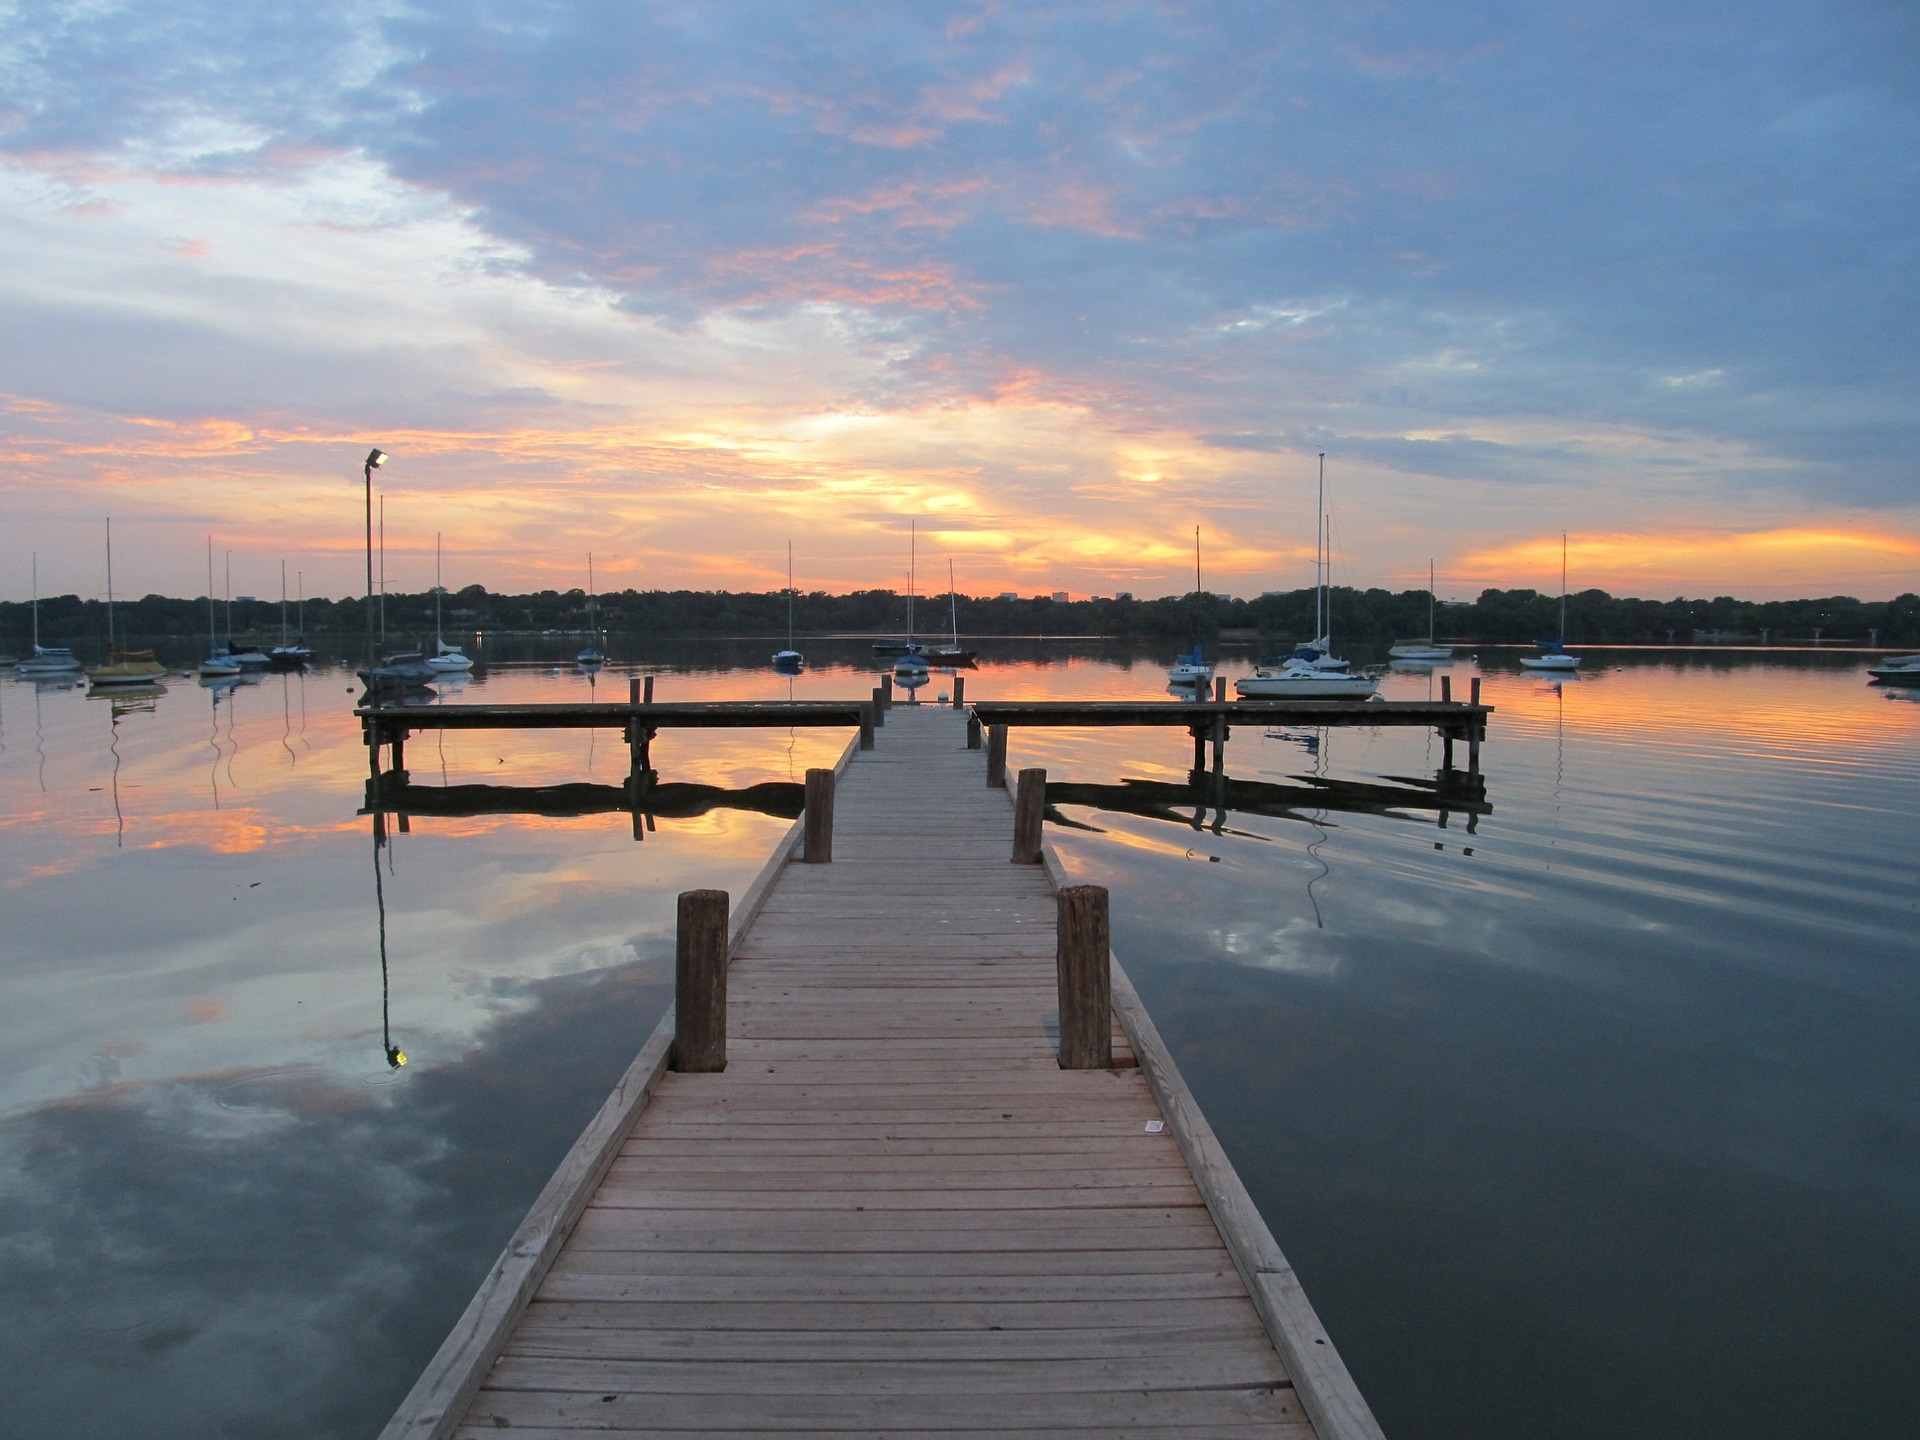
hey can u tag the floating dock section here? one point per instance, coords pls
(893, 1212)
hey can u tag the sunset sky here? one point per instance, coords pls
(679, 283)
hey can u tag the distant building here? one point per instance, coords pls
(243, 599)
(1223, 597)
(1009, 594)
(1123, 595)
(1060, 596)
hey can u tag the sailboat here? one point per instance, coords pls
(446, 659)
(247, 657)
(219, 664)
(951, 654)
(593, 654)
(1192, 667)
(1422, 649)
(286, 655)
(912, 666)
(123, 667)
(1553, 653)
(1311, 672)
(45, 659)
(789, 660)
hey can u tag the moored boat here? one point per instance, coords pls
(45, 659)
(1553, 654)
(123, 667)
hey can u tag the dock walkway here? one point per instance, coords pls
(893, 1214)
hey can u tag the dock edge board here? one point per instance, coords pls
(438, 1401)
(1327, 1391)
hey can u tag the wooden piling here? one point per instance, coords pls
(648, 697)
(1029, 809)
(959, 692)
(1220, 689)
(879, 709)
(633, 690)
(1473, 692)
(867, 723)
(819, 813)
(974, 737)
(996, 757)
(700, 982)
(1446, 689)
(1219, 750)
(1082, 945)
(886, 690)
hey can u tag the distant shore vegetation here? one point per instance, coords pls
(1360, 617)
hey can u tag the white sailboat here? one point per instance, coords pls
(593, 654)
(45, 659)
(287, 655)
(789, 659)
(1311, 672)
(1191, 667)
(1553, 655)
(219, 664)
(1422, 649)
(123, 667)
(912, 666)
(446, 659)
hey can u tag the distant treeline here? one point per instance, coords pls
(1359, 617)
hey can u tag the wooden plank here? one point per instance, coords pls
(951, 1413)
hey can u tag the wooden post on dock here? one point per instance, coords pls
(879, 709)
(700, 982)
(633, 691)
(1446, 689)
(1219, 753)
(649, 691)
(1029, 809)
(886, 690)
(1081, 948)
(399, 747)
(1474, 693)
(974, 737)
(959, 692)
(819, 812)
(996, 757)
(867, 723)
(1474, 730)
(1199, 750)
(1219, 689)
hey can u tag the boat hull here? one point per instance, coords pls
(1896, 674)
(1550, 663)
(1306, 687)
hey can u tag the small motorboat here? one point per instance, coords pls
(219, 665)
(50, 660)
(1551, 659)
(1897, 670)
(289, 657)
(1298, 681)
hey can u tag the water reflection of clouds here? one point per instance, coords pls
(150, 1298)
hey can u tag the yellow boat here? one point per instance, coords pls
(127, 667)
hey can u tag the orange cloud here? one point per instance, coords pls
(1620, 560)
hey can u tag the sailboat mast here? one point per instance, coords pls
(109, 586)
(213, 642)
(383, 576)
(1196, 559)
(1429, 604)
(36, 602)
(913, 560)
(789, 595)
(283, 604)
(229, 570)
(438, 639)
(1320, 554)
(953, 600)
(1563, 587)
(590, 620)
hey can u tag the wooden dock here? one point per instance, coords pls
(893, 1213)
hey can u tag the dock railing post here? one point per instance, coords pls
(1219, 689)
(633, 691)
(886, 691)
(879, 709)
(1081, 948)
(866, 724)
(819, 832)
(1473, 692)
(700, 982)
(959, 692)
(1446, 689)
(1029, 809)
(648, 700)
(996, 757)
(974, 738)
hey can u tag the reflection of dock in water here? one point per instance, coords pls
(1309, 800)
(665, 800)
(875, 1194)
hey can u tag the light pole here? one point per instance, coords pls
(375, 458)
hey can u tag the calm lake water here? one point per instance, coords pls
(1592, 1109)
